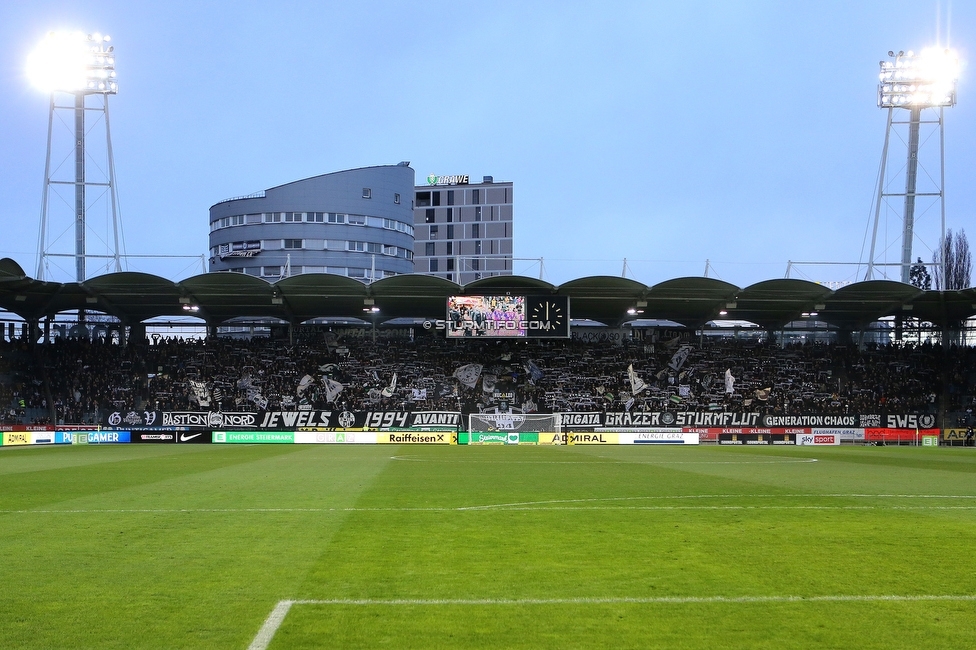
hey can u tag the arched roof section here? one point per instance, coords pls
(774, 303)
(862, 303)
(132, 296)
(603, 298)
(412, 296)
(312, 295)
(221, 296)
(946, 308)
(11, 270)
(30, 299)
(509, 283)
(689, 301)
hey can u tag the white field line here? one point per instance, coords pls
(503, 508)
(271, 625)
(568, 504)
(277, 615)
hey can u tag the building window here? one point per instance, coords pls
(272, 217)
(429, 215)
(429, 249)
(475, 264)
(315, 217)
(433, 232)
(389, 250)
(292, 217)
(423, 199)
(450, 197)
(477, 247)
(476, 196)
(270, 271)
(475, 230)
(367, 193)
(356, 219)
(357, 273)
(450, 215)
(477, 213)
(450, 264)
(359, 246)
(450, 231)
(433, 265)
(337, 217)
(436, 197)
(293, 244)
(396, 199)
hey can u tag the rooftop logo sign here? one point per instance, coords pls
(434, 179)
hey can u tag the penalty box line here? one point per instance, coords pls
(277, 616)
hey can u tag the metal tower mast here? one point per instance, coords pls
(913, 83)
(78, 65)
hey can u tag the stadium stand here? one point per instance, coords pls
(73, 381)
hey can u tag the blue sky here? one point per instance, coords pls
(742, 133)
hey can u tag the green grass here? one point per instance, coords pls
(143, 546)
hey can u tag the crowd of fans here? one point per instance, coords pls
(77, 381)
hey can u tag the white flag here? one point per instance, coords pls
(636, 383)
(332, 389)
(488, 383)
(679, 358)
(388, 391)
(469, 374)
(729, 382)
(200, 393)
(304, 384)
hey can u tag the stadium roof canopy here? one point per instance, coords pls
(219, 297)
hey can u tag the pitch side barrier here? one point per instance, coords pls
(445, 427)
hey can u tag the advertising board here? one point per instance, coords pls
(153, 436)
(663, 436)
(891, 435)
(335, 437)
(807, 439)
(12, 438)
(498, 438)
(594, 438)
(253, 437)
(42, 438)
(750, 437)
(108, 437)
(416, 438)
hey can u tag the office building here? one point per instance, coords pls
(463, 231)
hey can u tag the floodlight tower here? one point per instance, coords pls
(914, 82)
(80, 65)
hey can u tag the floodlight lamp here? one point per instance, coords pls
(925, 80)
(73, 62)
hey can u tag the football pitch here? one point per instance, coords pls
(343, 546)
